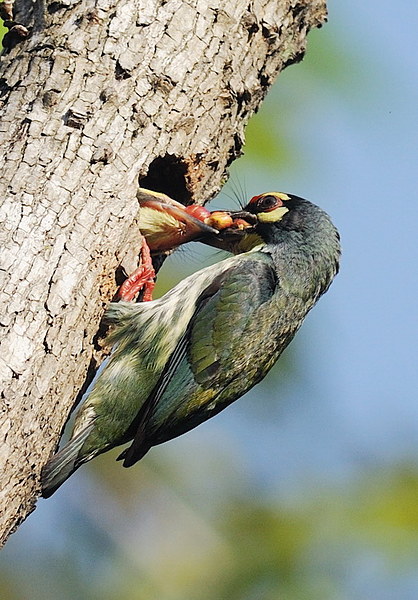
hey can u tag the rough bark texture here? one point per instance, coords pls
(101, 95)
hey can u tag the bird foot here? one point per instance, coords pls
(142, 279)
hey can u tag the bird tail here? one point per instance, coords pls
(63, 464)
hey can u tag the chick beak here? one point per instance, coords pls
(167, 224)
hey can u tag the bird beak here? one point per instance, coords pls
(233, 237)
(166, 223)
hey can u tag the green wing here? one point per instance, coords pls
(218, 350)
(218, 332)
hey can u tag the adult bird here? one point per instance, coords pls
(180, 360)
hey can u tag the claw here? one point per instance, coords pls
(142, 279)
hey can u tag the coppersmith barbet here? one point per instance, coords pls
(181, 359)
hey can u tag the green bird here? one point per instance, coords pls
(181, 359)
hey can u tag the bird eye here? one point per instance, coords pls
(266, 203)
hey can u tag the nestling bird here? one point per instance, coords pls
(166, 224)
(180, 360)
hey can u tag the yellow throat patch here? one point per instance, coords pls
(273, 215)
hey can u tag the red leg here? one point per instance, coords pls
(141, 279)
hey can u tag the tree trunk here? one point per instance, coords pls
(101, 96)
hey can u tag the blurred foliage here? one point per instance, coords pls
(249, 550)
(270, 139)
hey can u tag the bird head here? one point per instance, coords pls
(274, 219)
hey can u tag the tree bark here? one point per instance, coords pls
(101, 96)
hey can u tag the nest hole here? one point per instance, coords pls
(167, 174)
